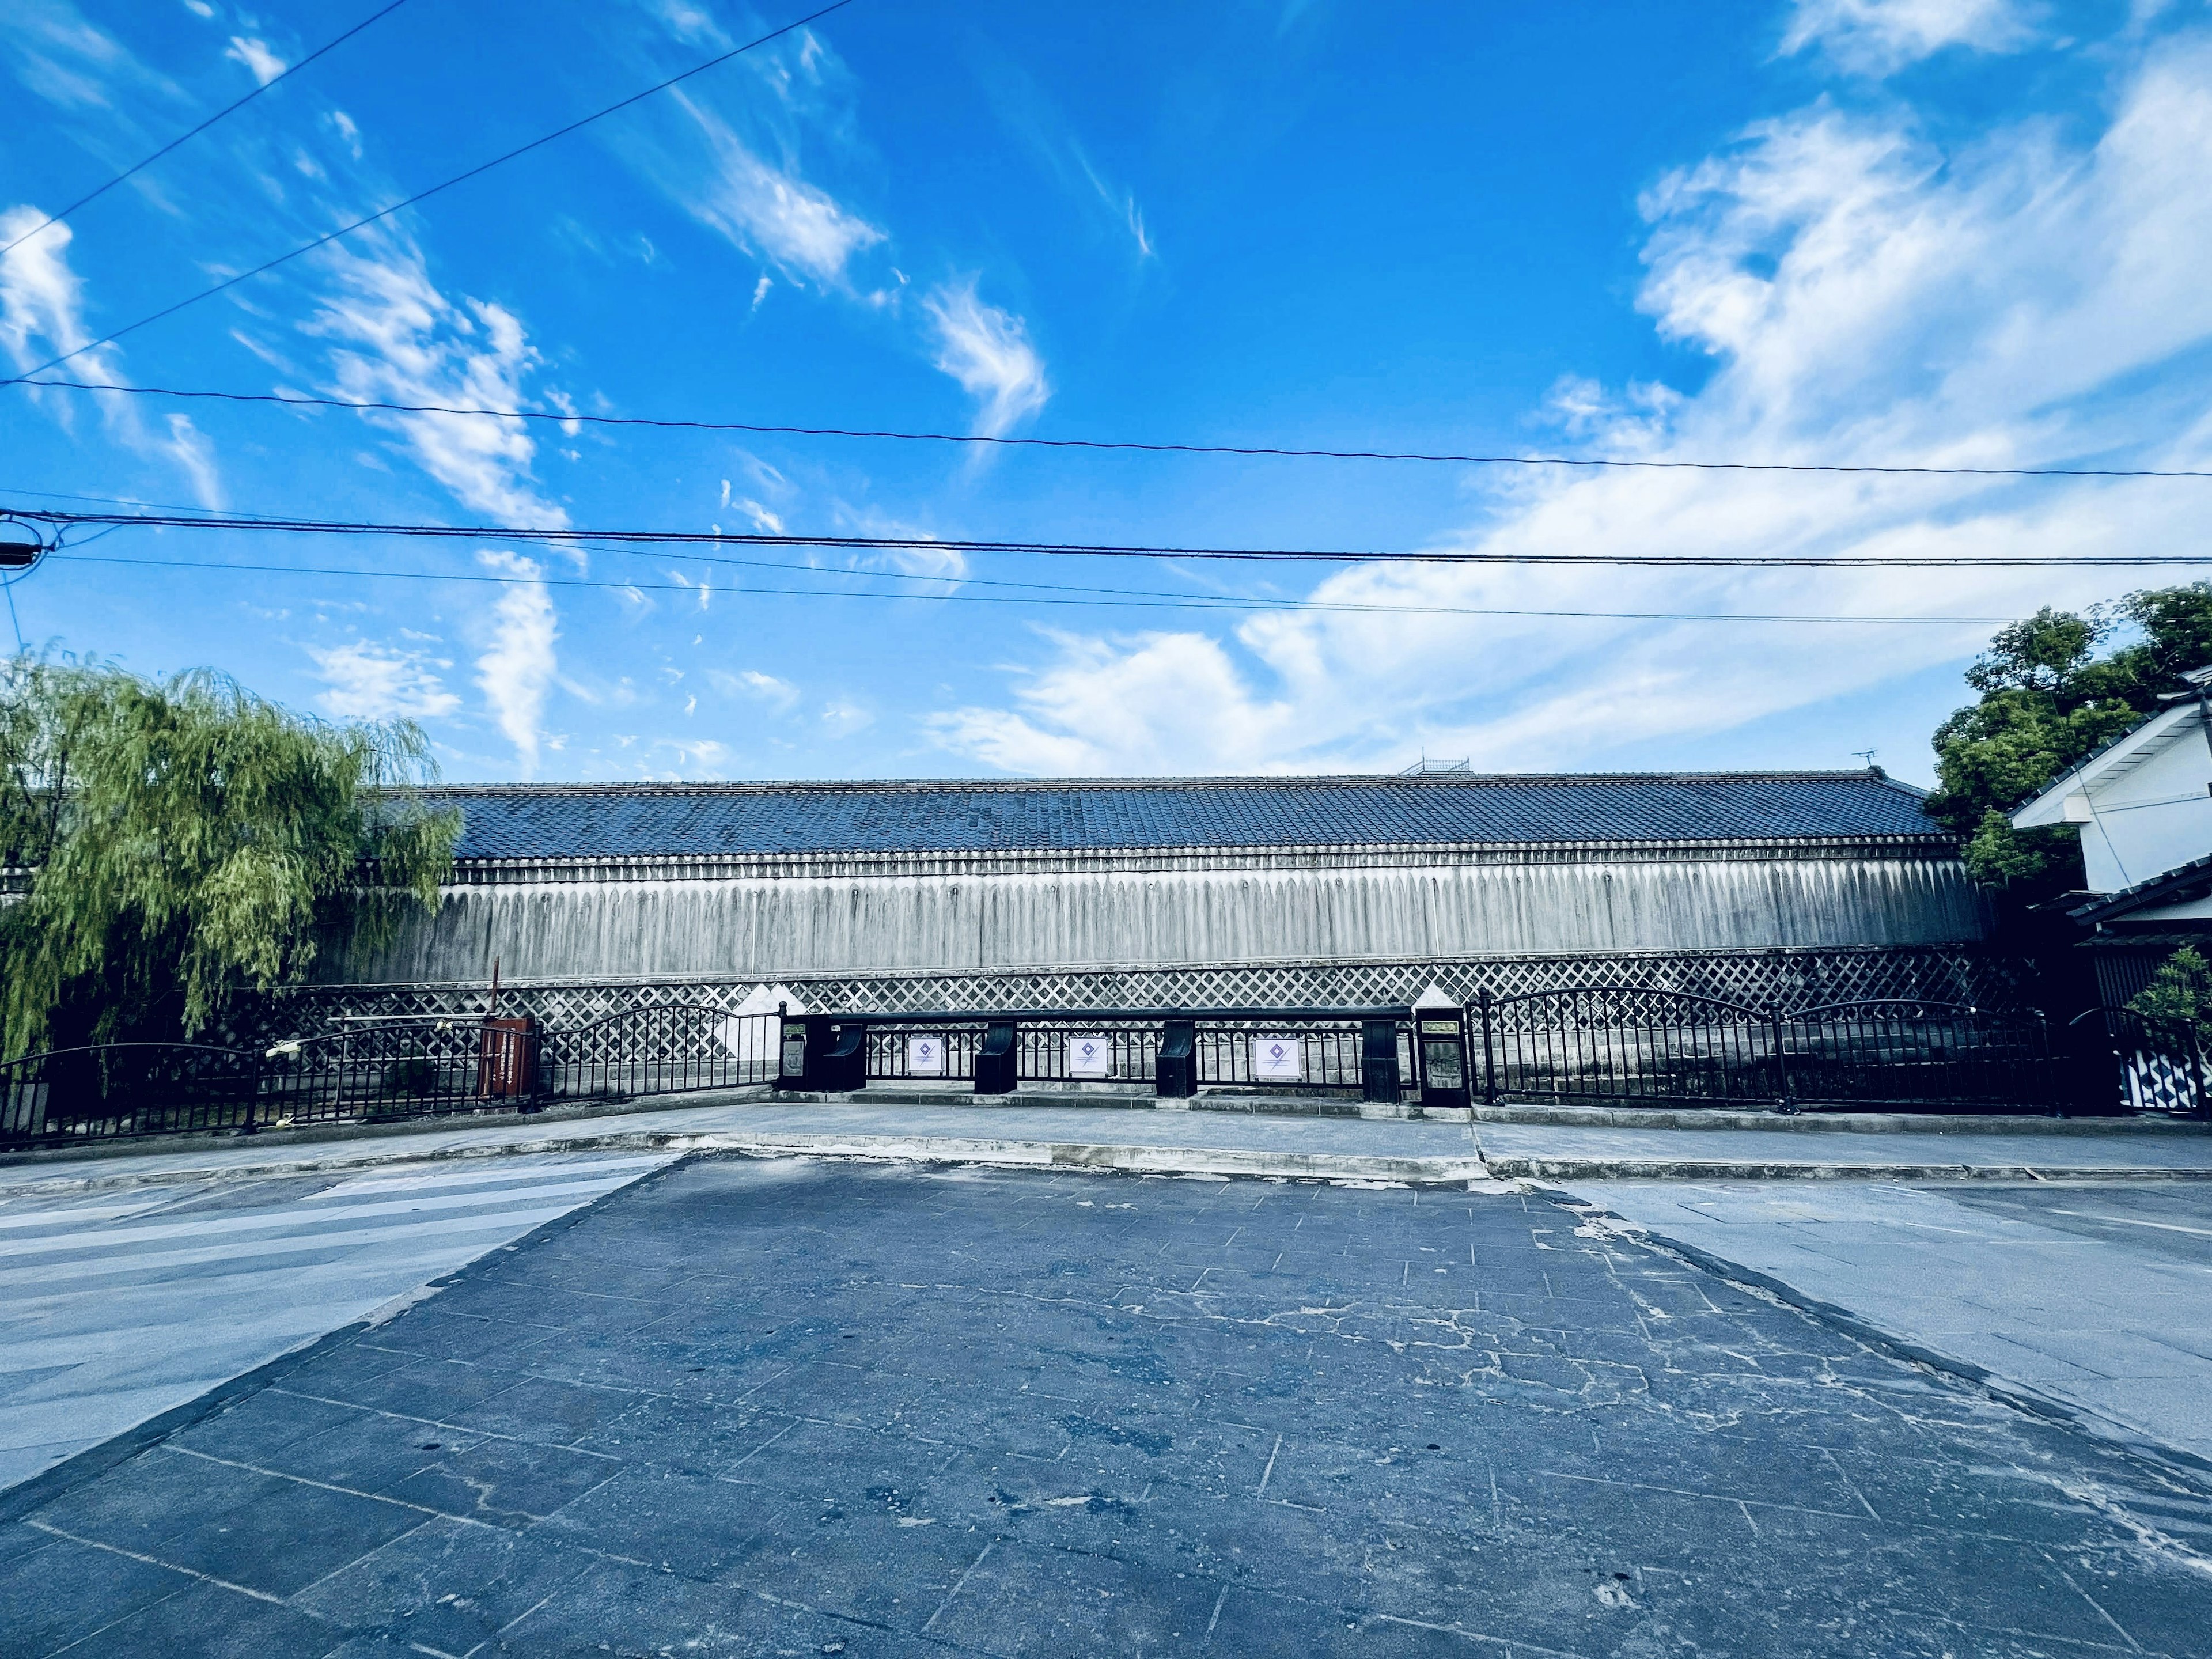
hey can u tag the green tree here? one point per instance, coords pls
(2048, 702)
(173, 843)
(2180, 990)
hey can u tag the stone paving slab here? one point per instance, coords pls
(749, 1408)
(2096, 1298)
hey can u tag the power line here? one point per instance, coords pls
(761, 428)
(1140, 603)
(425, 195)
(558, 537)
(227, 109)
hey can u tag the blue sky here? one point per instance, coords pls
(1861, 231)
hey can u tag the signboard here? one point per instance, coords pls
(794, 1049)
(1090, 1056)
(1440, 1062)
(924, 1056)
(1439, 1028)
(1277, 1060)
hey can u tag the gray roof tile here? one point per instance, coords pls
(723, 820)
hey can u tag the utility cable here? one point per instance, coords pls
(301, 400)
(558, 537)
(425, 195)
(227, 109)
(1197, 603)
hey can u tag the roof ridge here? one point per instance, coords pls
(1287, 779)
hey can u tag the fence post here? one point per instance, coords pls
(1484, 1001)
(2204, 1093)
(1783, 1103)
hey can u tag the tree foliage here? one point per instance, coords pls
(174, 843)
(2048, 702)
(2181, 990)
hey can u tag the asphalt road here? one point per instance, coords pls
(746, 1407)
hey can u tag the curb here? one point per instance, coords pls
(1820, 1122)
(1005, 1153)
(1507, 1166)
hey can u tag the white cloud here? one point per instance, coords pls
(1862, 298)
(844, 717)
(398, 339)
(517, 669)
(196, 455)
(988, 351)
(767, 211)
(782, 696)
(42, 300)
(1879, 36)
(265, 65)
(374, 682)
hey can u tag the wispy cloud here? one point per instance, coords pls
(397, 339)
(196, 455)
(42, 298)
(1878, 37)
(366, 680)
(1859, 295)
(988, 352)
(265, 64)
(780, 696)
(42, 316)
(765, 208)
(517, 669)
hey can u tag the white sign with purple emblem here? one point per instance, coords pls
(1090, 1056)
(1277, 1060)
(924, 1056)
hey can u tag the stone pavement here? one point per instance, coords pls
(746, 1407)
(1194, 1142)
(2098, 1297)
(116, 1307)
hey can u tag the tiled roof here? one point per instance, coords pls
(724, 820)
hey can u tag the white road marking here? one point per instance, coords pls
(2130, 1221)
(297, 1214)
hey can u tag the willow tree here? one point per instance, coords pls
(174, 844)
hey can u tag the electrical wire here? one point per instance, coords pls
(425, 195)
(557, 536)
(302, 400)
(1209, 602)
(227, 109)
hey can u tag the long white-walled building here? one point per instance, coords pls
(1127, 890)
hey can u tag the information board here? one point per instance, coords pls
(1089, 1057)
(1277, 1060)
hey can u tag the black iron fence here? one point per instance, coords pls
(1618, 1045)
(1292, 1049)
(377, 1069)
(1632, 1044)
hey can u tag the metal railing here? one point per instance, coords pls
(1608, 1044)
(1628, 1043)
(1294, 1050)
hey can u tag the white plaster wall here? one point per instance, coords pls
(792, 927)
(2150, 819)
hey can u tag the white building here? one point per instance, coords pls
(2143, 808)
(1761, 888)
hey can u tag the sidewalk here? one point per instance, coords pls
(1123, 1133)
(2099, 1299)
